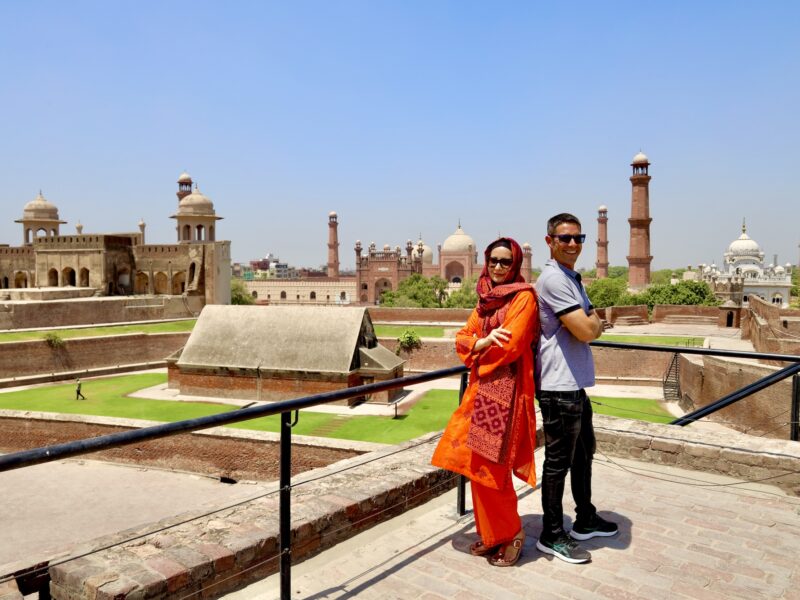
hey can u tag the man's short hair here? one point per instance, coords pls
(559, 219)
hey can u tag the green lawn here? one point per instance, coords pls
(167, 327)
(106, 397)
(394, 331)
(660, 340)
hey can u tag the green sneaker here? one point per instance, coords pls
(564, 548)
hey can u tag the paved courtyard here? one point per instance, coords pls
(683, 534)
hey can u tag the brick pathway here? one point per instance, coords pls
(676, 541)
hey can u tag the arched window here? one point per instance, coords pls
(187, 233)
(84, 278)
(283, 295)
(255, 294)
(192, 270)
(68, 276)
(343, 296)
(52, 278)
(313, 296)
(200, 233)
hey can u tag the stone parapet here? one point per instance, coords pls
(725, 452)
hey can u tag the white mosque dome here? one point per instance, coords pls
(196, 204)
(640, 159)
(40, 208)
(427, 252)
(744, 246)
(603, 207)
(459, 242)
(184, 178)
(779, 270)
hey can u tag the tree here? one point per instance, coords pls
(415, 291)
(683, 292)
(239, 293)
(607, 292)
(465, 297)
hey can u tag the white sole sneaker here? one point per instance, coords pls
(592, 534)
(547, 550)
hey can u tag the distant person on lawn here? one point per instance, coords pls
(78, 395)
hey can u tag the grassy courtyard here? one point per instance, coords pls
(81, 332)
(393, 331)
(108, 397)
(658, 340)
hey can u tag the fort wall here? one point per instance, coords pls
(93, 311)
(20, 359)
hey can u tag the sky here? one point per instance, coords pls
(405, 118)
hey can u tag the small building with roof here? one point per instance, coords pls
(271, 353)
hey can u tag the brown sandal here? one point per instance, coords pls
(478, 549)
(508, 554)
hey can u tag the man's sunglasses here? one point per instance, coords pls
(503, 262)
(566, 238)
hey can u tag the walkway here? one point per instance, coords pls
(683, 534)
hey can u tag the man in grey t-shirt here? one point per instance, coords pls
(564, 367)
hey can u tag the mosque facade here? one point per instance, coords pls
(380, 270)
(51, 265)
(743, 275)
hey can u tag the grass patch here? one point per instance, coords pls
(660, 340)
(394, 331)
(107, 397)
(632, 408)
(168, 327)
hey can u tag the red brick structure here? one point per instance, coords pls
(381, 271)
(602, 242)
(639, 258)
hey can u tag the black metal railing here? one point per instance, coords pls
(286, 408)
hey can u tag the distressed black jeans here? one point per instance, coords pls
(569, 446)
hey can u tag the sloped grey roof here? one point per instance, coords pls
(281, 338)
(379, 358)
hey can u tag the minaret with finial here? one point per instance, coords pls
(333, 245)
(639, 258)
(602, 242)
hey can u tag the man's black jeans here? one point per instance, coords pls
(569, 446)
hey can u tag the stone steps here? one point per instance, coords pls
(689, 320)
(634, 320)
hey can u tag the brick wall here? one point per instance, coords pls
(18, 359)
(217, 455)
(660, 311)
(707, 379)
(768, 329)
(90, 311)
(609, 363)
(613, 313)
(229, 384)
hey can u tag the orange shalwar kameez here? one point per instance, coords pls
(493, 496)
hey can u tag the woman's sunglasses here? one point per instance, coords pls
(503, 262)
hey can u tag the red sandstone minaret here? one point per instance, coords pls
(602, 242)
(639, 258)
(333, 246)
(527, 257)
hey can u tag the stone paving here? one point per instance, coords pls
(683, 534)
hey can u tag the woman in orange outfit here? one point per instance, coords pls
(492, 433)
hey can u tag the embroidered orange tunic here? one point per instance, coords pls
(452, 452)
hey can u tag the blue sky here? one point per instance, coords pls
(405, 117)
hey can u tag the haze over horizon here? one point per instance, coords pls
(405, 117)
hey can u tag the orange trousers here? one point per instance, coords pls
(496, 517)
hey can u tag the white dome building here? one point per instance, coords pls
(458, 257)
(196, 216)
(743, 274)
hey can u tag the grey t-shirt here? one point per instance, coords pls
(563, 362)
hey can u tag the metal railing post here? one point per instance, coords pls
(462, 481)
(284, 518)
(794, 424)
